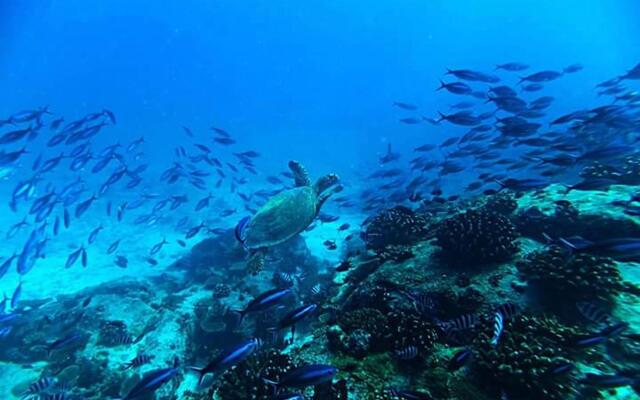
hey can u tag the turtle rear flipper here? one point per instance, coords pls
(299, 174)
(325, 183)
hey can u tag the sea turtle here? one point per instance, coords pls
(285, 215)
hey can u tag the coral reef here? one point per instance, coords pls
(394, 253)
(501, 203)
(520, 364)
(476, 237)
(369, 330)
(561, 275)
(245, 381)
(395, 226)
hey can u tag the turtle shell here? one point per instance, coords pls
(282, 217)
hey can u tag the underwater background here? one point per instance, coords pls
(319, 200)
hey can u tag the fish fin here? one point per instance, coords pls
(272, 384)
(547, 238)
(570, 246)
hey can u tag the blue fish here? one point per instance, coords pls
(84, 206)
(3, 303)
(239, 230)
(459, 359)
(204, 202)
(158, 246)
(94, 234)
(66, 219)
(73, 257)
(296, 316)
(609, 381)
(228, 358)
(498, 327)
(264, 301)
(152, 381)
(17, 294)
(6, 264)
(113, 247)
(29, 255)
(310, 375)
(407, 394)
(56, 226)
(69, 340)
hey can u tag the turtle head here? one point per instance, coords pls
(325, 183)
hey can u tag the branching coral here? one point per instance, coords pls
(395, 226)
(386, 333)
(571, 277)
(521, 363)
(476, 237)
(370, 321)
(501, 203)
(565, 221)
(395, 253)
(246, 380)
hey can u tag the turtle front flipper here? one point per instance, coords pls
(300, 174)
(256, 261)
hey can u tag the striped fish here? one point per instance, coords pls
(54, 396)
(508, 310)
(407, 353)
(39, 386)
(463, 322)
(423, 303)
(593, 313)
(498, 327)
(123, 339)
(316, 289)
(139, 360)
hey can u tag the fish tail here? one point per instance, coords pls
(442, 117)
(241, 314)
(200, 372)
(442, 86)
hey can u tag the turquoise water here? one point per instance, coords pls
(150, 130)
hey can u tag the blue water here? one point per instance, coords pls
(311, 81)
(300, 75)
